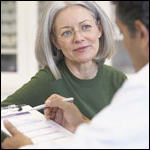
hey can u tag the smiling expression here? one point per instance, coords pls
(77, 34)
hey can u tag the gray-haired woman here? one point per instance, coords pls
(73, 41)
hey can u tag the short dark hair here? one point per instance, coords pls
(129, 11)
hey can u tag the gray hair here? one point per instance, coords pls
(48, 55)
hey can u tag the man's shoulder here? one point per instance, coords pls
(140, 78)
(137, 86)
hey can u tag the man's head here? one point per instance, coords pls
(133, 21)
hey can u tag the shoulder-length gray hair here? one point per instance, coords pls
(48, 55)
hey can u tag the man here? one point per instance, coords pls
(124, 124)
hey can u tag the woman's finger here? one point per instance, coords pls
(11, 128)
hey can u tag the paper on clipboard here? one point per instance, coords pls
(34, 125)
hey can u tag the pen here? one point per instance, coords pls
(39, 107)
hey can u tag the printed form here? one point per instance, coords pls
(34, 125)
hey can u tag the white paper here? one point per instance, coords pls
(34, 125)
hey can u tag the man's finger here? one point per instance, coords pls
(59, 117)
(13, 131)
(47, 111)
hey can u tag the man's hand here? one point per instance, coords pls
(65, 114)
(16, 140)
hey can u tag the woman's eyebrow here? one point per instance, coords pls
(65, 27)
(84, 21)
(70, 26)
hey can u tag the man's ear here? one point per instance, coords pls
(142, 33)
(54, 41)
(143, 38)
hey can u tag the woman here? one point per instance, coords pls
(73, 41)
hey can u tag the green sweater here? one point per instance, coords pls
(90, 96)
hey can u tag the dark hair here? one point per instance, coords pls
(129, 11)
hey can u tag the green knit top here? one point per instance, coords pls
(90, 96)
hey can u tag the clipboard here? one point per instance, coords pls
(34, 125)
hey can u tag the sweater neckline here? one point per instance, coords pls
(83, 81)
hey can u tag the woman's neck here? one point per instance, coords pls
(86, 70)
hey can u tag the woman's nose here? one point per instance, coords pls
(78, 37)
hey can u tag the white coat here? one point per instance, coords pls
(124, 124)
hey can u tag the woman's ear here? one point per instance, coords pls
(54, 41)
(99, 29)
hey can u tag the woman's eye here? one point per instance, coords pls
(86, 27)
(66, 33)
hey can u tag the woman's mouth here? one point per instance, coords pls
(81, 49)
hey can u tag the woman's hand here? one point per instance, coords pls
(16, 140)
(65, 114)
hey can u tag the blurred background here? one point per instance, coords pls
(19, 22)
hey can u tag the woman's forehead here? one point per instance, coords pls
(71, 14)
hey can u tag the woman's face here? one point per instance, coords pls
(77, 34)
